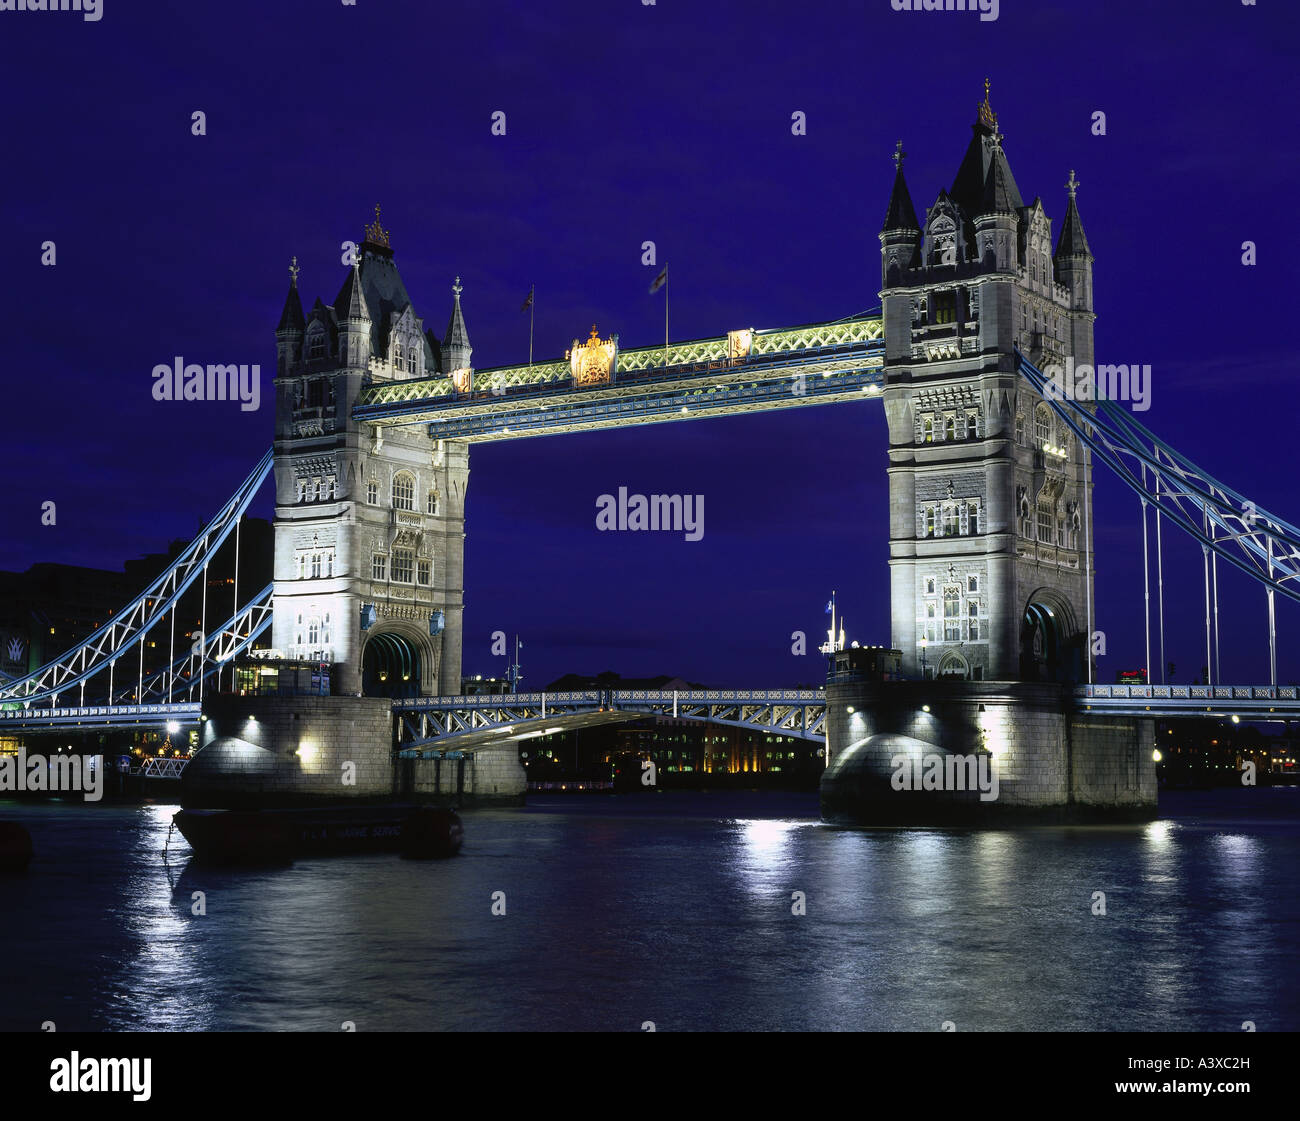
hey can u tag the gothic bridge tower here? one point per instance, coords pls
(990, 533)
(369, 524)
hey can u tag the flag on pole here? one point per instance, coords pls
(660, 281)
(529, 302)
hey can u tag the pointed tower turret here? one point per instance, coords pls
(456, 350)
(982, 154)
(1072, 264)
(288, 335)
(899, 240)
(353, 316)
(901, 214)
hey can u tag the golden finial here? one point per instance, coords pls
(594, 333)
(376, 234)
(988, 118)
(456, 288)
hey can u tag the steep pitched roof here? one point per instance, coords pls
(350, 303)
(291, 319)
(1000, 195)
(1073, 242)
(983, 154)
(901, 214)
(384, 292)
(457, 333)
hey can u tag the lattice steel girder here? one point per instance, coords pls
(1191, 700)
(855, 331)
(773, 381)
(96, 716)
(1261, 544)
(232, 637)
(429, 720)
(429, 400)
(129, 626)
(658, 409)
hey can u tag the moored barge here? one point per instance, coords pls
(280, 836)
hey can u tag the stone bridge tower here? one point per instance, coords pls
(369, 523)
(990, 533)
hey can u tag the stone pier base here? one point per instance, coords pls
(287, 751)
(985, 752)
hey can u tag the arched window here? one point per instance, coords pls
(316, 345)
(372, 493)
(1020, 428)
(403, 491)
(929, 521)
(325, 630)
(950, 428)
(927, 430)
(397, 356)
(1026, 523)
(972, 517)
(972, 426)
(432, 507)
(411, 353)
(1042, 425)
(313, 631)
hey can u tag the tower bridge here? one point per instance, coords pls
(991, 548)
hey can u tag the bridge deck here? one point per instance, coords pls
(814, 365)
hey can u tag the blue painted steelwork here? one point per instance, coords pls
(1259, 543)
(1250, 701)
(439, 721)
(754, 382)
(91, 718)
(129, 626)
(230, 639)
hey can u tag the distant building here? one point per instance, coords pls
(480, 686)
(575, 682)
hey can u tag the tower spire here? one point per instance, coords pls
(901, 214)
(455, 346)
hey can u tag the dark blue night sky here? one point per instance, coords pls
(628, 123)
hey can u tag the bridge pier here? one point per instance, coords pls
(981, 752)
(285, 751)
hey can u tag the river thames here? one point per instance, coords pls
(671, 909)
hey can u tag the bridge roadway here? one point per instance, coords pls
(432, 725)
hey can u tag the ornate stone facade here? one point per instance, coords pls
(990, 510)
(367, 518)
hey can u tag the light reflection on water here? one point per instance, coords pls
(672, 908)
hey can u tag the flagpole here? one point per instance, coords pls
(665, 322)
(532, 311)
